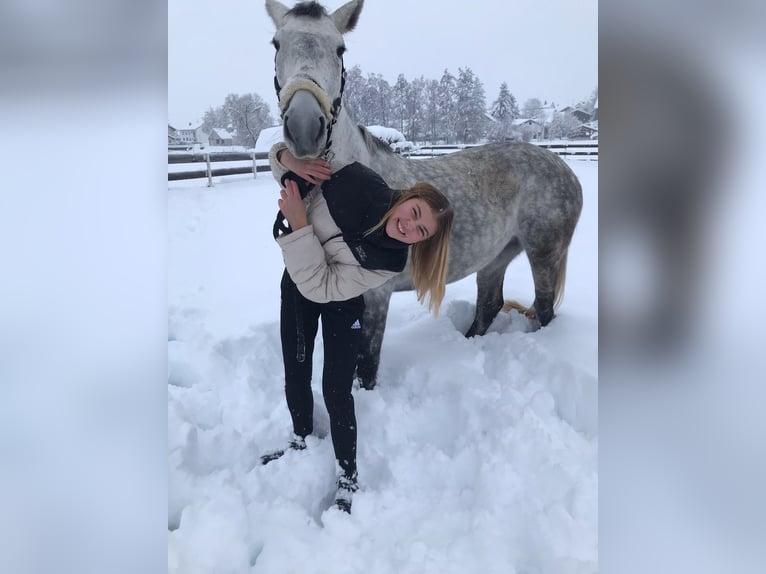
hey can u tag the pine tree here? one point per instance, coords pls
(400, 102)
(354, 95)
(431, 110)
(416, 113)
(470, 120)
(379, 100)
(447, 108)
(505, 107)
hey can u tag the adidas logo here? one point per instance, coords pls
(356, 325)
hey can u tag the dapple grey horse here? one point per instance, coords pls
(507, 197)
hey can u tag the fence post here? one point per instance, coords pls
(255, 167)
(209, 173)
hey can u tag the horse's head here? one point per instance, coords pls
(309, 70)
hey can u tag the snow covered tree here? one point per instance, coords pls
(563, 126)
(354, 95)
(505, 107)
(471, 103)
(243, 115)
(447, 108)
(431, 109)
(248, 115)
(378, 100)
(415, 107)
(399, 93)
(504, 110)
(532, 109)
(215, 118)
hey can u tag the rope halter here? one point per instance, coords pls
(331, 110)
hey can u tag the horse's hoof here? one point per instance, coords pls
(545, 318)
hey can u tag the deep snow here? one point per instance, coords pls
(475, 456)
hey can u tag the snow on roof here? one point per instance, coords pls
(522, 121)
(186, 124)
(222, 133)
(267, 138)
(388, 135)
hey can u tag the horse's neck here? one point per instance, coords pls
(349, 146)
(347, 143)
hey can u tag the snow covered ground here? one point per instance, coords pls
(475, 456)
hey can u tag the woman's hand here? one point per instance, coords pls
(312, 170)
(292, 205)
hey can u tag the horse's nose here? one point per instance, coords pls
(305, 125)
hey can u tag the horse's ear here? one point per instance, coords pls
(277, 11)
(346, 17)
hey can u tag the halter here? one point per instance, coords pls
(331, 111)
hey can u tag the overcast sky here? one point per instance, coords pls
(542, 48)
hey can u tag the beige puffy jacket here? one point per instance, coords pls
(317, 259)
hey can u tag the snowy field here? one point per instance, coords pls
(475, 456)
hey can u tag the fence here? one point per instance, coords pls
(583, 149)
(209, 158)
(578, 149)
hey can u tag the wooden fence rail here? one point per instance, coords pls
(584, 150)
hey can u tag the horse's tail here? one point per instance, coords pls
(558, 291)
(561, 279)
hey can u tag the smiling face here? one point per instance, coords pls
(412, 221)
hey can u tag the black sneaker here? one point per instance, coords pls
(347, 486)
(296, 443)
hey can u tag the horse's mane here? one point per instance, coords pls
(373, 142)
(316, 11)
(310, 9)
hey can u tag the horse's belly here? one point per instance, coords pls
(465, 259)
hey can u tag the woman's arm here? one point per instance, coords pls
(312, 170)
(318, 279)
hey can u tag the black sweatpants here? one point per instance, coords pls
(341, 333)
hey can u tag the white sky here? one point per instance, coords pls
(545, 49)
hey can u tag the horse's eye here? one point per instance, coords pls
(341, 50)
(276, 44)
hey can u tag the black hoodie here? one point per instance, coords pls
(358, 198)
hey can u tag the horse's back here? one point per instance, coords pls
(496, 183)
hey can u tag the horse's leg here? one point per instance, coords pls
(489, 281)
(373, 326)
(546, 266)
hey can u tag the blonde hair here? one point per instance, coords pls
(428, 258)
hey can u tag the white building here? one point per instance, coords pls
(189, 132)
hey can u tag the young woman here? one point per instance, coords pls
(351, 234)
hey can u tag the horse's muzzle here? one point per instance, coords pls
(305, 125)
